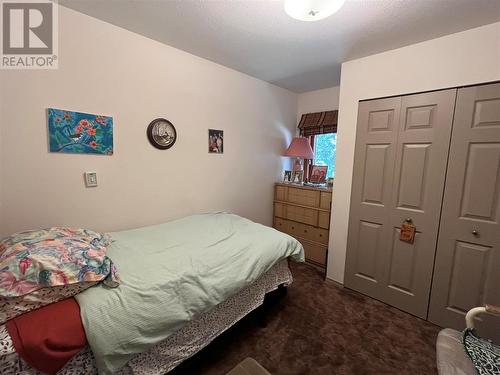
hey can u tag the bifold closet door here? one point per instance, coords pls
(369, 231)
(467, 269)
(399, 174)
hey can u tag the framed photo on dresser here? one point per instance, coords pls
(297, 177)
(287, 177)
(318, 174)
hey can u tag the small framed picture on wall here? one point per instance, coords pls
(215, 141)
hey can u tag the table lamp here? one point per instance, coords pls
(300, 148)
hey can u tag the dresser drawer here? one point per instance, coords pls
(301, 214)
(324, 219)
(303, 197)
(280, 224)
(299, 230)
(279, 210)
(293, 228)
(314, 234)
(280, 193)
(306, 231)
(325, 201)
(314, 253)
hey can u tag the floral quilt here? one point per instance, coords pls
(54, 257)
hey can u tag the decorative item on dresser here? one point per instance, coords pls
(304, 213)
(318, 174)
(300, 148)
(287, 176)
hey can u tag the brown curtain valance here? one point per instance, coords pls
(318, 123)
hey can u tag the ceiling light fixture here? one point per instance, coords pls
(312, 10)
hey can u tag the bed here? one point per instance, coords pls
(204, 273)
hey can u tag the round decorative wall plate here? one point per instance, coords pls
(161, 133)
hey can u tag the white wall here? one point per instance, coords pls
(107, 70)
(318, 101)
(464, 58)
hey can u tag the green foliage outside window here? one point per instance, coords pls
(325, 151)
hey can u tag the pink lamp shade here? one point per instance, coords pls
(300, 148)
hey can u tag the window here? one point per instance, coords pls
(325, 151)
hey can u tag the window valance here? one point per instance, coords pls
(318, 123)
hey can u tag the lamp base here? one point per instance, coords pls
(297, 166)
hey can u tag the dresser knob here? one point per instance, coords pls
(475, 233)
(305, 230)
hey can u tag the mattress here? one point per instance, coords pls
(183, 344)
(171, 272)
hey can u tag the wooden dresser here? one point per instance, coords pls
(304, 213)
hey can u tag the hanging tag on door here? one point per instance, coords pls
(407, 233)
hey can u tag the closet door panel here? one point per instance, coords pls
(414, 165)
(481, 184)
(419, 177)
(470, 264)
(373, 180)
(402, 268)
(400, 163)
(369, 233)
(468, 256)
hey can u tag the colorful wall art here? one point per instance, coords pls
(80, 133)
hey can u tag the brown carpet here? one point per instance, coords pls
(320, 328)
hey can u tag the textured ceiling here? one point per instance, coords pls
(258, 38)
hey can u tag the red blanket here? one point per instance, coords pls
(49, 337)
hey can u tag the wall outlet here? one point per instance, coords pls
(90, 179)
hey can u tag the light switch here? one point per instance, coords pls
(90, 179)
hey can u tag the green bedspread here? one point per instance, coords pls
(171, 272)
